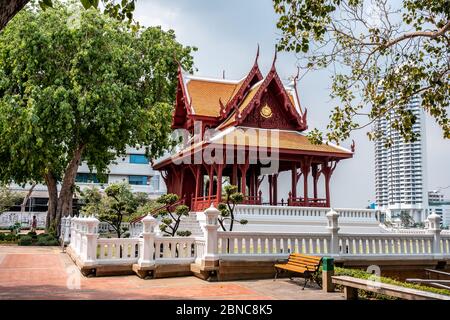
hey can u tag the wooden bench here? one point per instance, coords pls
(351, 286)
(307, 266)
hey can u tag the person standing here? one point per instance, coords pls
(34, 224)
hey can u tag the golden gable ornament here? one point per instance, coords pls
(266, 112)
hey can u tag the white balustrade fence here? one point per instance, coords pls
(245, 243)
(151, 248)
(305, 212)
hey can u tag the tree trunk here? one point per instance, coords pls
(52, 188)
(66, 194)
(25, 199)
(8, 9)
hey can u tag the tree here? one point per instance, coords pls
(171, 214)
(406, 220)
(121, 10)
(81, 91)
(230, 199)
(8, 198)
(382, 53)
(114, 207)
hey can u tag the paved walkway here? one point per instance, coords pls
(46, 273)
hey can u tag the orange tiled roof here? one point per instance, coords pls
(205, 94)
(285, 140)
(282, 139)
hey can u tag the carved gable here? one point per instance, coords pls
(269, 114)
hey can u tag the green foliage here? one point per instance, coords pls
(115, 206)
(171, 216)
(15, 228)
(8, 237)
(82, 90)
(382, 54)
(360, 274)
(8, 198)
(121, 10)
(230, 199)
(406, 220)
(25, 241)
(145, 208)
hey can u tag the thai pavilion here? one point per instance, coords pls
(242, 132)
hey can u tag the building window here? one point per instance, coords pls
(86, 178)
(138, 158)
(138, 180)
(154, 182)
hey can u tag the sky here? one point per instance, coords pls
(227, 33)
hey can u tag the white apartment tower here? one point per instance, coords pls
(400, 170)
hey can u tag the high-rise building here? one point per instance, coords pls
(400, 170)
(440, 205)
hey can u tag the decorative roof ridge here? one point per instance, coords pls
(190, 109)
(239, 96)
(209, 79)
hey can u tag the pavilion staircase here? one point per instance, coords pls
(190, 223)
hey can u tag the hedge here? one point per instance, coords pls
(361, 274)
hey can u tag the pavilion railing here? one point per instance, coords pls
(256, 200)
(201, 203)
(310, 202)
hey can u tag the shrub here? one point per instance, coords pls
(356, 273)
(42, 242)
(25, 241)
(53, 242)
(31, 233)
(2, 236)
(10, 237)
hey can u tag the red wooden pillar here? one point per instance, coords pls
(252, 182)
(327, 189)
(270, 190)
(275, 188)
(219, 182)
(211, 180)
(243, 179)
(197, 181)
(305, 167)
(328, 170)
(234, 175)
(294, 181)
(315, 174)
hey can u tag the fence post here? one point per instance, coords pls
(435, 228)
(73, 234)
(333, 229)
(148, 242)
(67, 229)
(91, 235)
(211, 258)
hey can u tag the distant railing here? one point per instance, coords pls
(310, 202)
(253, 200)
(306, 212)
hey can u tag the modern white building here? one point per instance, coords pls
(133, 168)
(400, 170)
(438, 204)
